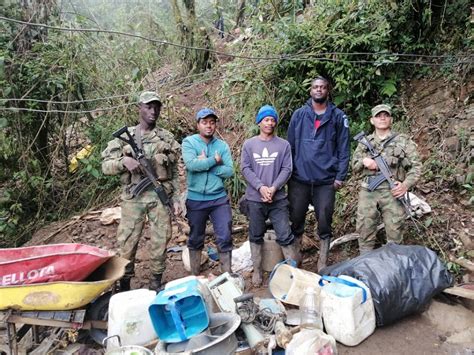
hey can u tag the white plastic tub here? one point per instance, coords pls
(347, 316)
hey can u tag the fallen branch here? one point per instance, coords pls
(351, 236)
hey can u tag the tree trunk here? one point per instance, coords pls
(239, 16)
(36, 11)
(194, 61)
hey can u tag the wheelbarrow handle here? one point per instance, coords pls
(104, 342)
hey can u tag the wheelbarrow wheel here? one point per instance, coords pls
(99, 310)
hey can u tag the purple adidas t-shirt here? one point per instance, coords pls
(266, 163)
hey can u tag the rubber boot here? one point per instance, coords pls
(323, 253)
(298, 241)
(291, 251)
(225, 260)
(256, 252)
(195, 261)
(155, 283)
(124, 284)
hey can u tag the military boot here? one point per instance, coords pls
(323, 253)
(256, 252)
(225, 260)
(195, 261)
(155, 282)
(291, 252)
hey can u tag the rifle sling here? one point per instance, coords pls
(384, 144)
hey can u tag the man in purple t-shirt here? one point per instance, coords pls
(266, 164)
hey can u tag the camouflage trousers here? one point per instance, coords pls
(130, 230)
(369, 208)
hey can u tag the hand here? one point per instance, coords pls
(131, 164)
(218, 158)
(337, 184)
(399, 190)
(266, 194)
(370, 163)
(272, 190)
(202, 156)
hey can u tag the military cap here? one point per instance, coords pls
(380, 108)
(148, 96)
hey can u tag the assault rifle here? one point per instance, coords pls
(384, 175)
(147, 168)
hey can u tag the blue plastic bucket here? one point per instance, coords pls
(179, 312)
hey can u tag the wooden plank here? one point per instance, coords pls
(48, 342)
(461, 292)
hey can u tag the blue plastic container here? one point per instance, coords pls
(179, 312)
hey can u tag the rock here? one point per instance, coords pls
(452, 144)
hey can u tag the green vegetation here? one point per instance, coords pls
(351, 42)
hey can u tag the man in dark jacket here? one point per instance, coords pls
(319, 139)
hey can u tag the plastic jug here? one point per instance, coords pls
(310, 309)
(129, 319)
(347, 309)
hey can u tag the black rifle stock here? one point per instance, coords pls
(385, 173)
(151, 177)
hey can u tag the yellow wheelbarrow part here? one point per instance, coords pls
(63, 295)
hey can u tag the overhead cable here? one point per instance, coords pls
(282, 57)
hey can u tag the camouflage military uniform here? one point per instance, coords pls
(401, 155)
(161, 150)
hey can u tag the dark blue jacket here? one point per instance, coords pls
(319, 156)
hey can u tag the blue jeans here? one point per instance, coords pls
(220, 214)
(277, 211)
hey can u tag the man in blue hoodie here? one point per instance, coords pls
(208, 163)
(319, 137)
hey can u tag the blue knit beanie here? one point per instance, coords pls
(265, 111)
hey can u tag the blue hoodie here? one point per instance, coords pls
(204, 177)
(319, 156)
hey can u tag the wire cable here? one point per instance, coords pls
(282, 57)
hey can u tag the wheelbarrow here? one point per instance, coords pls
(64, 286)
(58, 304)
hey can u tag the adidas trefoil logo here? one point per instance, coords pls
(265, 159)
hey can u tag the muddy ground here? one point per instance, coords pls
(447, 327)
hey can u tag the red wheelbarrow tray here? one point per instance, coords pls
(49, 263)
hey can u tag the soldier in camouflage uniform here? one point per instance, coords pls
(161, 150)
(400, 154)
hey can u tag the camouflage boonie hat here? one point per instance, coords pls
(148, 96)
(380, 108)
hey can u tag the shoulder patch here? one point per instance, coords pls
(346, 122)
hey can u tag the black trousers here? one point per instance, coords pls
(277, 211)
(322, 197)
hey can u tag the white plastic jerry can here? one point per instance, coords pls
(129, 318)
(347, 308)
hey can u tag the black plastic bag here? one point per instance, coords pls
(401, 278)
